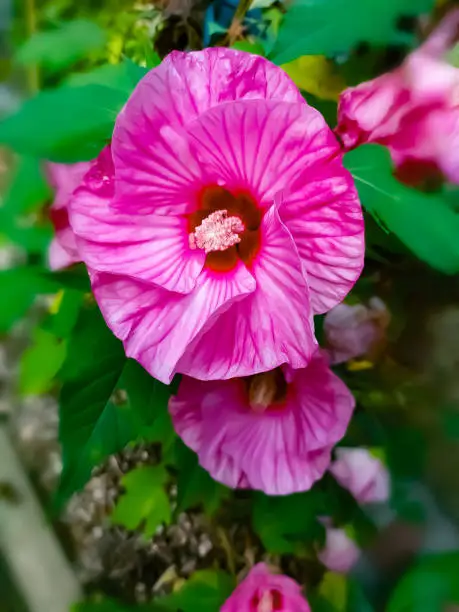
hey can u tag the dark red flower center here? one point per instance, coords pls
(267, 390)
(268, 601)
(226, 226)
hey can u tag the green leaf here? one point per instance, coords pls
(28, 192)
(334, 589)
(429, 586)
(424, 223)
(104, 604)
(21, 285)
(148, 400)
(64, 313)
(41, 362)
(67, 124)
(91, 425)
(124, 76)
(145, 502)
(28, 189)
(205, 591)
(195, 487)
(286, 524)
(249, 47)
(63, 46)
(328, 27)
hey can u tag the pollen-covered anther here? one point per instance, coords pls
(217, 232)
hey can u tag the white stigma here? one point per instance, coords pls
(217, 232)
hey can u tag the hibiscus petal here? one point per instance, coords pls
(261, 145)
(323, 214)
(326, 404)
(156, 170)
(270, 327)
(59, 256)
(150, 248)
(157, 325)
(280, 451)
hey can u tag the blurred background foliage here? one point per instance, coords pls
(69, 68)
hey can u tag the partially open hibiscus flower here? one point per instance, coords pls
(273, 431)
(413, 110)
(64, 179)
(224, 223)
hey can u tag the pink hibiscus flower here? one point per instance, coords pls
(273, 431)
(194, 264)
(64, 179)
(263, 591)
(414, 110)
(364, 475)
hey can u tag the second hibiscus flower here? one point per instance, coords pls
(221, 221)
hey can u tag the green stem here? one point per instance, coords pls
(33, 77)
(242, 9)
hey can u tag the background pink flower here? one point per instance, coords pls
(340, 552)
(412, 110)
(273, 432)
(355, 330)
(194, 264)
(364, 475)
(64, 179)
(264, 591)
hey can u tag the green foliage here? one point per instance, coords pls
(41, 362)
(328, 27)
(339, 593)
(424, 223)
(59, 48)
(148, 399)
(289, 524)
(96, 420)
(145, 503)
(429, 586)
(195, 487)
(99, 604)
(20, 286)
(27, 192)
(67, 124)
(205, 591)
(91, 425)
(123, 76)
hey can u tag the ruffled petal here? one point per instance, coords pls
(155, 168)
(261, 145)
(372, 110)
(326, 404)
(157, 325)
(64, 179)
(270, 327)
(278, 451)
(323, 214)
(150, 248)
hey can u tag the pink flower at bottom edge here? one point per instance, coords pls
(364, 475)
(272, 432)
(64, 179)
(263, 591)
